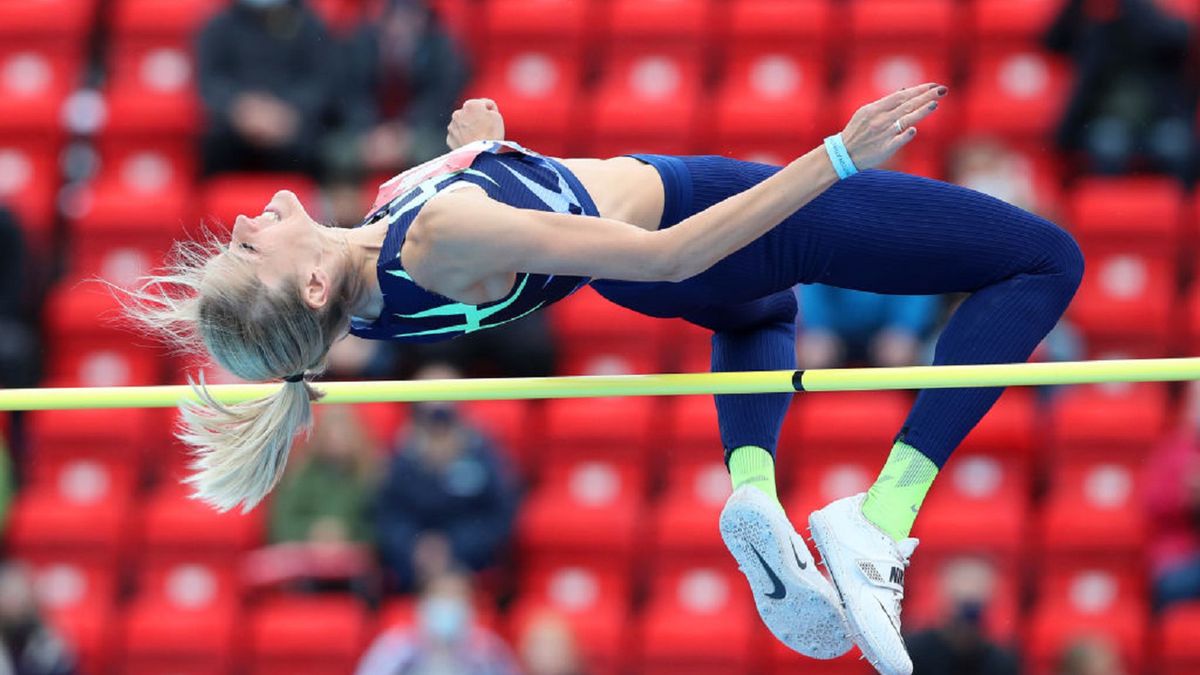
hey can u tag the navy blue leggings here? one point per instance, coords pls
(878, 231)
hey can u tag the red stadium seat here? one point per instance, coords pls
(684, 521)
(981, 504)
(179, 19)
(90, 632)
(557, 25)
(1126, 306)
(601, 337)
(774, 99)
(153, 89)
(189, 581)
(173, 523)
(29, 184)
(1015, 94)
(84, 478)
(537, 90)
(683, 24)
(228, 196)
(586, 510)
(164, 638)
(119, 434)
(34, 82)
(106, 367)
(1010, 23)
(798, 27)
(831, 423)
(609, 428)
(1093, 516)
(1096, 589)
(1010, 428)
(1139, 215)
(1119, 422)
(67, 586)
(698, 621)
(888, 24)
(648, 100)
(306, 635)
(593, 600)
(1177, 645)
(52, 22)
(1055, 628)
(44, 524)
(693, 437)
(821, 483)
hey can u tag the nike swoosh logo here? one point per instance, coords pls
(803, 565)
(778, 592)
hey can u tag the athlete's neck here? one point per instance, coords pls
(359, 248)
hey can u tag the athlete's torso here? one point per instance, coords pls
(508, 174)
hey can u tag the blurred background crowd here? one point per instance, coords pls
(573, 537)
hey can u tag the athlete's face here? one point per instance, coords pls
(282, 243)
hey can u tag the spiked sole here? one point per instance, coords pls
(822, 537)
(806, 618)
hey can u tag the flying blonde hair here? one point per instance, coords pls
(205, 301)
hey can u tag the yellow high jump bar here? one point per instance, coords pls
(591, 386)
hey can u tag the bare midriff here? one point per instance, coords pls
(623, 188)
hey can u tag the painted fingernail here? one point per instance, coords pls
(942, 91)
(933, 106)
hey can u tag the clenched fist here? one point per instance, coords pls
(477, 120)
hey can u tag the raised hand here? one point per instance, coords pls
(477, 120)
(877, 130)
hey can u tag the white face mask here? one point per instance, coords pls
(444, 619)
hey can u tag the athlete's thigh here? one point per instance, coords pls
(889, 232)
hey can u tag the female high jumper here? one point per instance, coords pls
(492, 232)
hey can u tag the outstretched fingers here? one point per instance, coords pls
(900, 97)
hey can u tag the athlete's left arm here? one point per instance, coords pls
(463, 239)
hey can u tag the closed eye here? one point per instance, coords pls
(248, 247)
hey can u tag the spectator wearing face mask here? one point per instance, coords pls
(30, 646)
(447, 499)
(266, 80)
(445, 641)
(959, 646)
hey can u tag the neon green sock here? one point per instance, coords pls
(754, 466)
(893, 500)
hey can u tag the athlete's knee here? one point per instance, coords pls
(1060, 256)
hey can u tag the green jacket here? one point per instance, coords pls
(318, 489)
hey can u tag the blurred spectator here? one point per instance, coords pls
(447, 498)
(548, 647)
(267, 77)
(353, 358)
(445, 641)
(959, 645)
(319, 520)
(839, 326)
(19, 343)
(324, 496)
(1173, 505)
(1132, 99)
(1090, 656)
(401, 78)
(30, 646)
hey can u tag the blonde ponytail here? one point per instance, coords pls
(241, 449)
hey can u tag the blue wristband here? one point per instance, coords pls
(840, 156)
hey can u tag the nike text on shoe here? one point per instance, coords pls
(797, 604)
(867, 567)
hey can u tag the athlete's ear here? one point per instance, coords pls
(316, 288)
